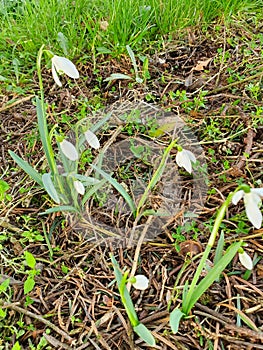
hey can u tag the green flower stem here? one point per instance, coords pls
(156, 176)
(220, 216)
(131, 313)
(42, 125)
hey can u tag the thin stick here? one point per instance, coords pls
(235, 83)
(21, 100)
(49, 324)
(137, 250)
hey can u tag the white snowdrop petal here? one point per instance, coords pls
(66, 66)
(258, 191)
(191, 156)
(183, 160)
(237, 196)
(69, 150)
(245, 260)
(179, 158)
(92, 139)
(253, 212)
(79, 187)
(141, 282)
(55, 75)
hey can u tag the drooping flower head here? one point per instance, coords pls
(63, 65)
(69, 150)
(79, 187)
(245, 259)
(141, 282)
(92, 139)
(252, 200)
(184, 159)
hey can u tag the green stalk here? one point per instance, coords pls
(156, 176)
(42, 125)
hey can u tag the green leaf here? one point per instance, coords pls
(212, 275)
(44, 135)
(63, 42)
(29, 284)
(86, 180)
(131, 54)
(2, 313)
(3, 188)
(125, 296)
(67, 208)
(219, 248)
(156, 176)
(115, 76)
(27, 168)
(49, 187)
(175, 318)
(117, 186)
(92, 190)
(144, 334)
(30, 260)
(4, 285)
(16, 346)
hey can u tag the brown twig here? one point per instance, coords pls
(49, 324)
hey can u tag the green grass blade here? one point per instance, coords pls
(117, 186)
(27, 168)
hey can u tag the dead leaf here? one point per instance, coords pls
(189, 80)
(202, 64)
(190, 248)
(104, 25)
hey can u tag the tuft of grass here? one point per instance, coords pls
(87, 28)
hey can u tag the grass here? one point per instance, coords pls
(84, 29)
(72, 279)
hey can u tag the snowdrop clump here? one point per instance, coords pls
(71, 153)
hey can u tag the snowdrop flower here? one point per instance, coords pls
(79, 187)
(92, 139)
(63, 65)
(185, 159)
(69, 150)
(141, 282)
(252, 203)
(245, 259)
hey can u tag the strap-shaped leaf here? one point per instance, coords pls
(125, 296)
(27, 168)
(175, 318)
(116, 76)
(118, 187)
(49, 187)
(144, 333)
(212, 275)
(60, 208)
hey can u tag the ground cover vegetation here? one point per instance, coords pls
(145, 76)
